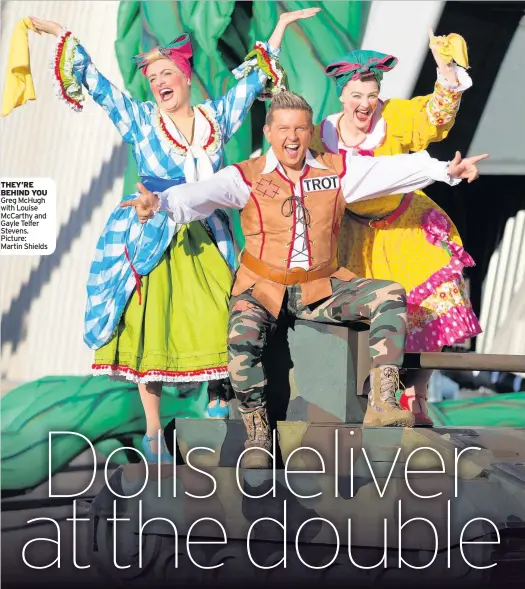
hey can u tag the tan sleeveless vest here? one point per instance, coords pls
(268, 223)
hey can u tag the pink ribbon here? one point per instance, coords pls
(437, 230)
(340, 67)
(178, 51)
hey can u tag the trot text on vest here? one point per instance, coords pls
(27, 216)
(321, 183)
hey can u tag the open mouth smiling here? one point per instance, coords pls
(291, 149)
(165, 94)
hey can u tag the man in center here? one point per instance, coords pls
(292, 202)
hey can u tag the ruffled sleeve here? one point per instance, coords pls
(73, 70)
(259, 76)
(446, 98)
(427, 119)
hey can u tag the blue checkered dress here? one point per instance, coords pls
(125, 244)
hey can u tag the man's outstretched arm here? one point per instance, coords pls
(185, 203)
(368, 177)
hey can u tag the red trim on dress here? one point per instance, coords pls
(170, 373)
(135, 274)
(170, 137)
(180, 146)
(268, 61)
(211, 138)
(58, 57)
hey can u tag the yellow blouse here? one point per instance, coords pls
(399, 126)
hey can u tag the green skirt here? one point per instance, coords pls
(176, 330)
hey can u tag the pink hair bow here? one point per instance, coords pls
(178, 51)
(372, 65)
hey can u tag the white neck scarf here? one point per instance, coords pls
(197, 164)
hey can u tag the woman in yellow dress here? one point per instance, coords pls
(406, 238)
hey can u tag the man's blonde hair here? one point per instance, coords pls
(286, 100)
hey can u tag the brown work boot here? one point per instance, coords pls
(383, 409)
(259, 436)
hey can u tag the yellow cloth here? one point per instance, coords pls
(401, 252)
(19, 86)
(451, 48)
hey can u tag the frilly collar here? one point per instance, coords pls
(207, 135)
(374, 138)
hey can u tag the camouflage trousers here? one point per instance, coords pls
(381, 302)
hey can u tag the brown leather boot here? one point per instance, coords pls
(383, 409)
(259, 436)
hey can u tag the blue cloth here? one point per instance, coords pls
(160, 184)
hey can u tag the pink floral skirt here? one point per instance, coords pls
(439, 311)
